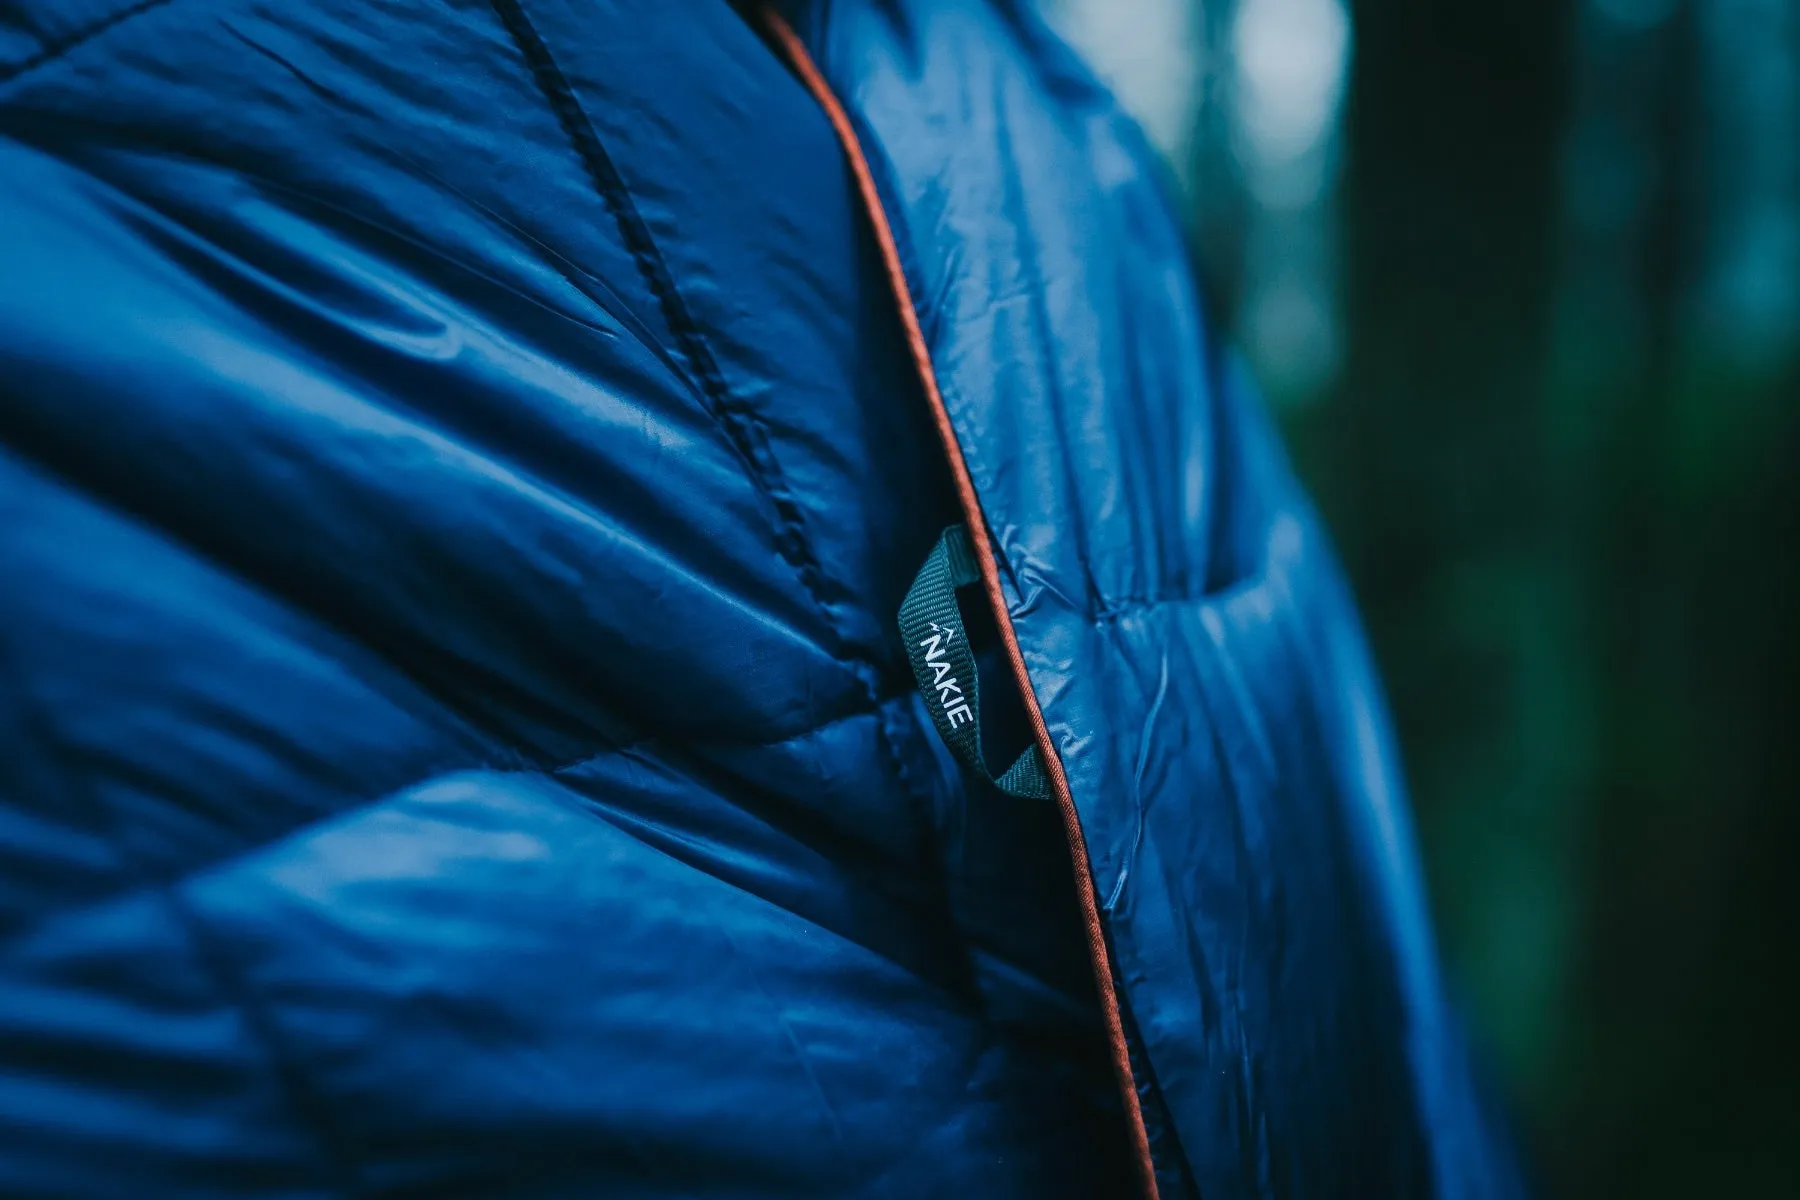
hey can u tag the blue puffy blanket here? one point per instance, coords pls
(460, 464)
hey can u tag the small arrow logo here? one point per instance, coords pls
(949, 631)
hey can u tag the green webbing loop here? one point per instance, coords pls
(931, 624)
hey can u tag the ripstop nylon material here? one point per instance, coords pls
(1099, 953)
(937, 645)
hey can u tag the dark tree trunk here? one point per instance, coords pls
(1433, 464)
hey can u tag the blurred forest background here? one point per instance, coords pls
(1522, 281)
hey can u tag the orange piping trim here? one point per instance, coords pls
(809, 74)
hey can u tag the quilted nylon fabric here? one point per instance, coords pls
(459, 465)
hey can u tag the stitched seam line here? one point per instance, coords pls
(316, 618)
(303, 1098)
(740, 424)
(52, 50)
(301, 1101)
(143, 880)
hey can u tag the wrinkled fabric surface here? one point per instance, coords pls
(459, 466)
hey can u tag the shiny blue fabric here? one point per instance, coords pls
(459, 465)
